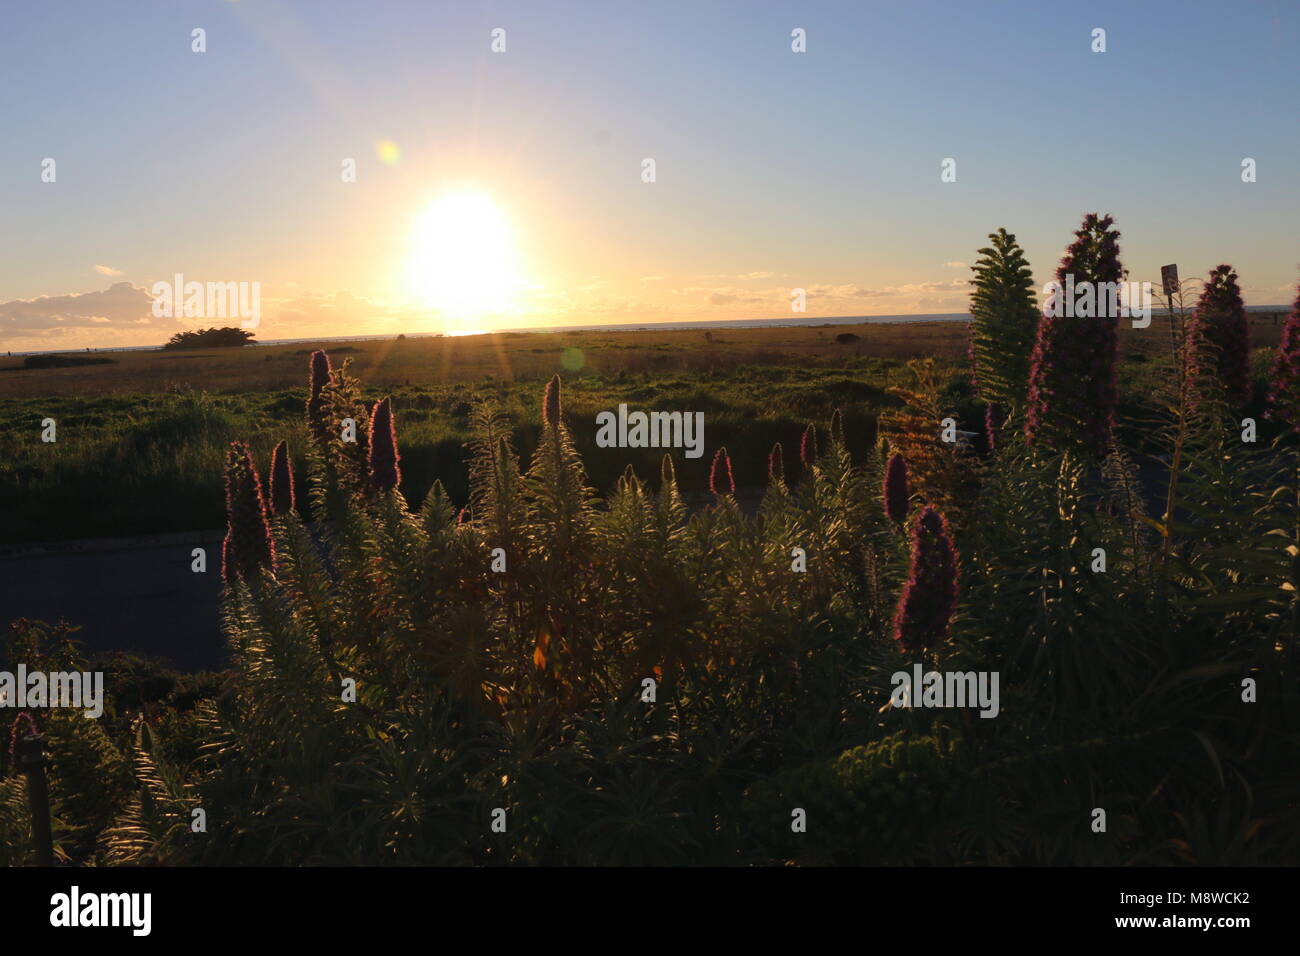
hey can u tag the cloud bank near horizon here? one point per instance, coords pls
(122, 314)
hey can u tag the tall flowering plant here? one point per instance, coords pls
(721, 481)
(896, 492)
(1218, 339)
(776, 465)
(808, 446)
(319, 377)
(385, 471)
(282, 495)
(1072, 390)
(1284, 382)
(929, 598)
(248, 546)
(1003, 323)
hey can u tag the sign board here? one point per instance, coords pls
(1169, 278)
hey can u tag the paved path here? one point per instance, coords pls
(138, 596)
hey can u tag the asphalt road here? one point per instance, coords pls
(136, 596)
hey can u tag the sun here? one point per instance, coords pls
(463, 260)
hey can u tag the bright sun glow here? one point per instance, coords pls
(463, 259)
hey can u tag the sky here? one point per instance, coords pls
(509, 189)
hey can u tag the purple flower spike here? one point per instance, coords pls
(926, 606)
(721, 481)
(1284, 383)
(994, 417)
(1218, 338)
(320, 377)
(248, 545)
(896, 491)
(808, 445)
(776, 464)
(551, 402)
(282, 498)
(1072, 390)
(384, 471)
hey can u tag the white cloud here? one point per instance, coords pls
(121, 303)
(108, 271)
(123, 315)
(738, 277)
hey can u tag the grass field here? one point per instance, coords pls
(507, 356)
(140, 441)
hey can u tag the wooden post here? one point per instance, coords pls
(30, 754)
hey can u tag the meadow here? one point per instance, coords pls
(141, 441)
(463, 634)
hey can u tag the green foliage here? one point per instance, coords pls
(140, 464)
(647, 677)
(885, 802)
(228, 337)
(99, 801)
(1004, 321)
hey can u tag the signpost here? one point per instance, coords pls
(1169, 278)
(29, 751)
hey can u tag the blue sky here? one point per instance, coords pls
(774, 170)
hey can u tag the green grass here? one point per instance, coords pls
(138, 464)
(127, 464)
